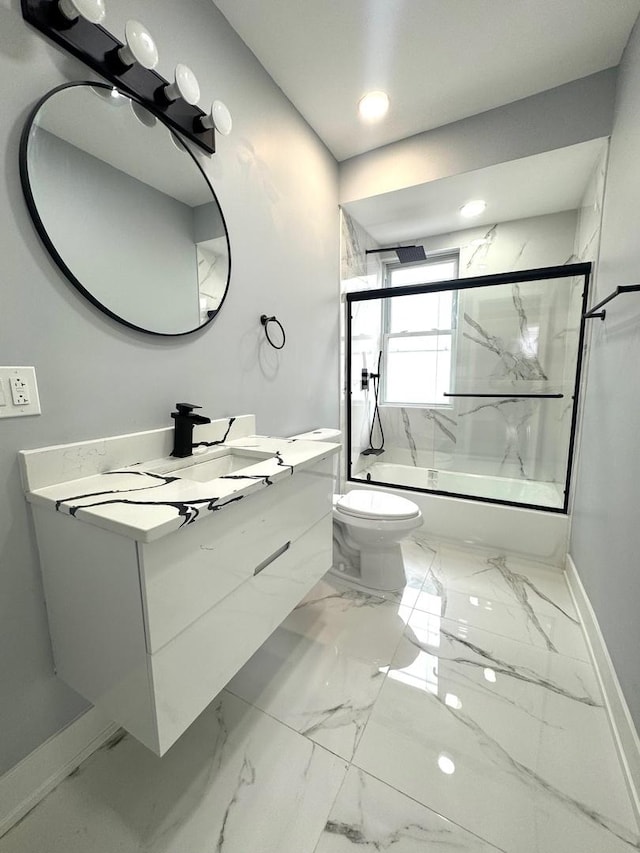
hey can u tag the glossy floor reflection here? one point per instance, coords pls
(459, 714)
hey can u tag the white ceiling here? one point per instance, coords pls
(531, 186)
(439, 60)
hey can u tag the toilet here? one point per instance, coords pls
(368, 527)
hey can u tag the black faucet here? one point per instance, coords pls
(185, 422)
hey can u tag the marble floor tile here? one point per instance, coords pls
(441, 756)
(513, 580)
(461, 714)
(369, 815)
(544, 707)
(356, 623)
(538, 624)
(407, 596)
(237, 781)
(312, 687)
(489, 732)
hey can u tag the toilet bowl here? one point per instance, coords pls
(372, 524)
(368, 527)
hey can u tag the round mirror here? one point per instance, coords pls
(125, 209)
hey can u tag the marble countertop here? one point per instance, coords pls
(146, 506)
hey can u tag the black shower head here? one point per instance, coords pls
(406, 254)
(409, 254)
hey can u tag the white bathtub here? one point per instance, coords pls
(529, 532)
(477, 485)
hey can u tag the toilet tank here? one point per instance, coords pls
(324, 434)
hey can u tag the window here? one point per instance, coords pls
(419, 335)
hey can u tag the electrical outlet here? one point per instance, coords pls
(19, 391)
(23, 399)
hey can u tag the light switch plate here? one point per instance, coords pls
(18, 392)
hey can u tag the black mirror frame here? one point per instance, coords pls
(49, 245)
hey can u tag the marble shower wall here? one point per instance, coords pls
(511, 339)
(587, 248)
(587, 242)
(359, 271)
(521, 244)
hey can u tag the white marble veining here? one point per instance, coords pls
(237, 781)
(461, 714)
(312, 687)
(131, 501)
(351, 621)
(587, 244)
(504, 741)
(370, 815)
(537, 623)
(489, 573)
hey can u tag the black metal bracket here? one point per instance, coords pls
(595, 312)
(95, 46)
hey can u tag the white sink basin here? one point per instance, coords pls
(230, 462)
(210, 465)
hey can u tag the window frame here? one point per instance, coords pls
(432, 259)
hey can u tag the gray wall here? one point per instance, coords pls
(562, 116)
(605, 540)
(277, 185)
(207, 223)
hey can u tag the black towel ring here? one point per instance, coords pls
(265, 322)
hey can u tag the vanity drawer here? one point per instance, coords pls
(191, 670)
(185, 575)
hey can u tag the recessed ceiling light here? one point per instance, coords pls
(473, 208)
(373, 106)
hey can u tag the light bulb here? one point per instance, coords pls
(140, 46)
(185, 86)
(219, 117)
(91, 10)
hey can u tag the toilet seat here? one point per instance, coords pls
(376, 506)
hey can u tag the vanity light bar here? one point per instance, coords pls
(94, 45)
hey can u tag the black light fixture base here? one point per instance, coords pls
(95, 46)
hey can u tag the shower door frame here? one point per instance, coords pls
(542, 274)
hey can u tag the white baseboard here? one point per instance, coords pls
(624, 731)
(22, 787)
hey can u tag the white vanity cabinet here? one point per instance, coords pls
(150, 632)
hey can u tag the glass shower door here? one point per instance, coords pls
(477, 393)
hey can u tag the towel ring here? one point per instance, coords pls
(265, 322)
